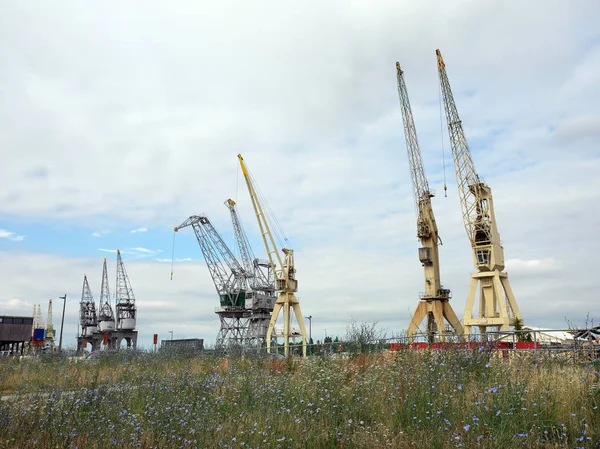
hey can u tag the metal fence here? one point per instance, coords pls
(550, 343)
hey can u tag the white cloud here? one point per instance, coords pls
(316, 116)
(109, 250)
(135, 231)
(4, 234)
(184, 259)
(100, 233)
(143, 250)
(534, 265)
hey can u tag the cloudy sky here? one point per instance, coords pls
(118, 121)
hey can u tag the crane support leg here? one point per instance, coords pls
(469, 305)
(452, 318)
(276, 309)
(417, 318)
(497, 305)
(437, 309)
(300, 320)
(286, 328)
(510, 296)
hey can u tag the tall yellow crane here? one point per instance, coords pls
(497, 304)
(285, 275)
(434, 302)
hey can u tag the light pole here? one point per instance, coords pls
(62, 322)
(310, 332)
(171, 332)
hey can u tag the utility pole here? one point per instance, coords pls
(62, 322)
(310, 332)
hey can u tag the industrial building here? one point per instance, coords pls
(15, 333)
(195, 344)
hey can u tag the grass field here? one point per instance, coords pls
(407, 399)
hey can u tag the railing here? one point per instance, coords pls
(503, 344)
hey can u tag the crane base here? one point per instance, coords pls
(285, 302)
(497, 304)
(435, 311)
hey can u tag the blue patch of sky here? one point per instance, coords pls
(65, 239)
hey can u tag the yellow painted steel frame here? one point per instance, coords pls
(285, 275)
(434, 303)
(497, 304)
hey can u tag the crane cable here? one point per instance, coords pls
(442, 139)
(173, 255)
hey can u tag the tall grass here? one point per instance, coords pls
(406, 399)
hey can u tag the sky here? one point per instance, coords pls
(120, 120)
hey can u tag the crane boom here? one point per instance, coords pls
(257, 278)
(285, 274)
(241, 239)
(228, 276)
(272, 252)
(479, 219)
(475, 195)
(434, 302)
(87, 309)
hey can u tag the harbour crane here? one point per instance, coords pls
(124, 298)
(230, 279)
(261, 296)
(106, 318)
(497, 304)
(87, 310)
(434, 302)
(284, 272)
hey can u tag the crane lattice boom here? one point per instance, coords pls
(87, 306)
(420, 186)
(228, 276)
(124, 297)
(475, 196)
(105, 312)
(258, 279)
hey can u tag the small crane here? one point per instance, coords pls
(285, 275)
(124, 298)
(434, 303)
(497, 304)
(87, 310)
(106, 318)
